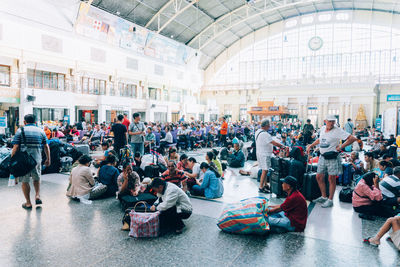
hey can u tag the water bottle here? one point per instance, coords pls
(11, 180)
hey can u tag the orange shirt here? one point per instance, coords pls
(48, 133)
(224, 128)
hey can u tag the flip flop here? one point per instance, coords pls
(38, 201)
(366, 240)
(24, 206)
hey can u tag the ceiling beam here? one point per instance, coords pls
(225, 27)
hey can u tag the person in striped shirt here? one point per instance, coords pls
(175, 176)
(36, 140)
(390, 187)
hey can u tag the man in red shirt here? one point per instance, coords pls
(175, 176)
(291, 215)
(126, 121)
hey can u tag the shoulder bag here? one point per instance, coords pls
(22, 162)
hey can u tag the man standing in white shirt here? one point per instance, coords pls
(330, 161)
(264, 148)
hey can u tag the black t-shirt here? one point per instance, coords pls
(119, 131)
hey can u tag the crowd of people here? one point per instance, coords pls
(159, 149)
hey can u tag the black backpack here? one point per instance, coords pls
(346, 195)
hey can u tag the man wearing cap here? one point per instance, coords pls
(291, 215)
(330, 161)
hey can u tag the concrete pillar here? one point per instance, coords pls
(101, 113)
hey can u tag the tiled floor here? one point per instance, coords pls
(68, 233)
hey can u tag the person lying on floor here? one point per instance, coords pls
(253, 172)
(391, 223)
(367, 197)
(108, 175)
(174, 206)
(291, 215)
(81, 179)
(211, 186)
(236, 157)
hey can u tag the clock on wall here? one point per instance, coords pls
(315, 43)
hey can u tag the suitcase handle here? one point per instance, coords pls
(140, 202)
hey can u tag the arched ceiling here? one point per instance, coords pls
(213, 25)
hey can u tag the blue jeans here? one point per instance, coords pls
(137, 147)
(279, 222)
(197, 190)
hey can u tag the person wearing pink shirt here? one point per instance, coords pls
(367, 196)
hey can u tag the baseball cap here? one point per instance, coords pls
(235, 141)
(290, 180)
(330, 117)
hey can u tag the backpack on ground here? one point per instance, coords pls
(346, 195)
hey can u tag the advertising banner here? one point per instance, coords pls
(103, 26)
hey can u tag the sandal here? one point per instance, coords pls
(38, 201)
(24, 206)
(242, 172)
(366, 240)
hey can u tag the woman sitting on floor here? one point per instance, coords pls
(108, 175)
(211, 187)
(386, 167)
(367, 196)
(128, 181)
(81, 179)
(215, 163)
(172, 155)
(183, 165)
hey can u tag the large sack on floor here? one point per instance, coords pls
(144, 224)
(246, 217)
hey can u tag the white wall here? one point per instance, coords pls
(39, 34)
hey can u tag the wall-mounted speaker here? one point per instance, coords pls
(30, 98)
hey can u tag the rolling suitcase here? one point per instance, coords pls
(276, 164)
(310, 189)
(276, 185)
(84, 149)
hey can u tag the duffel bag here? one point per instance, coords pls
(346, 195)
(128, 201)
(144, 224)
(246, 217)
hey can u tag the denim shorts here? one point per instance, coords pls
(281, 223)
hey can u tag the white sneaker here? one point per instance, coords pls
(321, 199)
(328, 204)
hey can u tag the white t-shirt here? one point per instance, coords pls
(263, 142)
(196, 169)
(328, 141)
